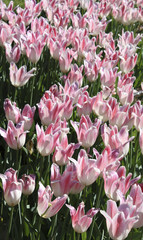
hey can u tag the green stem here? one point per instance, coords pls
(54, 225)
(97, 205)
(78, 236)
(32, 87)
(10, 222)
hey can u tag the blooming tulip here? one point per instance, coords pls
(117, 181)
(80, 220)
(86, 131)
(12, 112)
(65, 183)
(11, 187)
(119, 220)
(28, 184)
(47, 208)
(87, 170)
(46, 141)
(14, 136)
(19, 77)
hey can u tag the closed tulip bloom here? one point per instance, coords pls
(15, 137)
(81, 221)
(86, 131)
(12, 112)
(19, 77)
(28, 184)
(46, 207)
(46, 141)
(27, 116)
(11, 187)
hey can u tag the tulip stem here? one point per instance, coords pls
(31, 98)
(78, 236)
(97, 205)
(10, 222)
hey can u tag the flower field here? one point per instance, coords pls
(71, 120)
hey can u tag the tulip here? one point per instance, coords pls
(49, 108)
(117, 140)
(46, 141)
(119, 220)
(67, 182)
(80, 220)
(12, 54)
(12, 112)
(65, 60)
(47, 208)
(27, 116)
(117, 181)
(11, 187)
(87, 170)
(28, 184)
(84, 105)
(19, 77)
(86, 131)
(63, 151)
(108, 160)
(14, 136)
(135, 197)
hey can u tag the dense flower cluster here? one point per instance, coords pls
(85, 53)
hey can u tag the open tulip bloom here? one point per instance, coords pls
(15, 137)
(80, 220)
(47, 208)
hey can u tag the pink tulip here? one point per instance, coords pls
(27, 116)
(101, 107)
(28, 184)
(5, 10)
(108, 160)
(49, 108)
(34, 50)
(86, 131)
(81, 221)
(19, 77)
(116, 139)
(14, 136)
(87, 170)
(65, 60)
(12, 112)
(84, 105)
(119, 220)
(75, 75)
(67, 182)
(47, 208)
(67, 107)
(63, 151)
(92, 70)
(135, 198)
(5, 34)
(46, 141)
(12, 54)
(128, 62)
(117, 181)
(11, 187)
(73, 90)
(108, 77)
